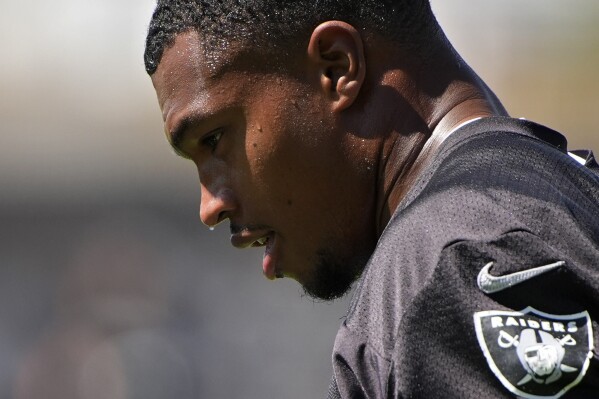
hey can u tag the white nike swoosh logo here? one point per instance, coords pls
(490, 284)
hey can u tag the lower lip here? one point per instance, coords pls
(268, 261)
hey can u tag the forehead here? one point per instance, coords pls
(184, 70)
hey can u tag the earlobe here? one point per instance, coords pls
(337, 51)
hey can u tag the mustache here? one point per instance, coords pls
(238, 228)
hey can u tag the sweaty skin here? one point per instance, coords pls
(312, 161)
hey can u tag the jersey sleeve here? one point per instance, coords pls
(489, 308)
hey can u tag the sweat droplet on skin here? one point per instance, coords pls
(259, 128)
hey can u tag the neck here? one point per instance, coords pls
(411, 146)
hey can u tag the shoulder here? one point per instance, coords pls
(496, 204)
(481, 295)
(493, 189)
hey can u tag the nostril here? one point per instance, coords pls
(222, 216)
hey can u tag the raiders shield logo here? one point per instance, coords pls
(535, 354)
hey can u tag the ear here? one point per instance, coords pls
(337, 51)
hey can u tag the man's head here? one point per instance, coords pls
(273, 104)
(272, 27)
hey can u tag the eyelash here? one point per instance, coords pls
(211, 141)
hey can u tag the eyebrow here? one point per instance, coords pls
(180, 133)
(176, 137)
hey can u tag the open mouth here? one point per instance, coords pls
(262, 241)
(248, 238)
(264, 238)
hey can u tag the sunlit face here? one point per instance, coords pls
(272, 159)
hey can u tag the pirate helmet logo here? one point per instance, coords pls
(535, 354)
(542, 360)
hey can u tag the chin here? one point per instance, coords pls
(332, 277)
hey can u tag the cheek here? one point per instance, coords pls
(289, 149)
(275, 180)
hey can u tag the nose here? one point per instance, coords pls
(216, 206)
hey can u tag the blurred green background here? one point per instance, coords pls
(109, 285)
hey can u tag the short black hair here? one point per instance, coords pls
(268, 23)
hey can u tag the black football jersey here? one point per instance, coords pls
(485, 283)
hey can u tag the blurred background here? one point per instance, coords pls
(109, 285)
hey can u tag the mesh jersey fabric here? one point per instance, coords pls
(499, 190)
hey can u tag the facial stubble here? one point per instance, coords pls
(333, 277)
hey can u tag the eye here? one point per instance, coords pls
(211, 140)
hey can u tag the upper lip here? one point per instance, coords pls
(250, 238)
